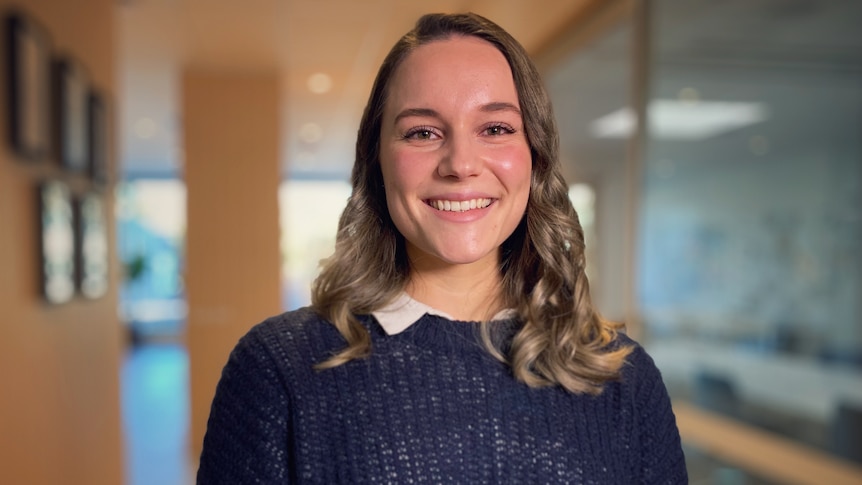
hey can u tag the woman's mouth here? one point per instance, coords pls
(458, 205)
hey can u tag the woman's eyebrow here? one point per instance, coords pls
(423, 112)
(430, 113)
(500, 106)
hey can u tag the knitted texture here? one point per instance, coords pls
(430, 405)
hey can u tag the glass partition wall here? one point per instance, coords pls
(736, 211)
(749, 262)
(588, 80)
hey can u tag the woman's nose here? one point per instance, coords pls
(460, 159)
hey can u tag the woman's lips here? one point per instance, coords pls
(459, 205)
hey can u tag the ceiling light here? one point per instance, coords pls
(619, 124)
(310, 132)
(319, 83)
(688, 94)
(145, 128)
(682, 120)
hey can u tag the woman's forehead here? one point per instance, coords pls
(460, 71)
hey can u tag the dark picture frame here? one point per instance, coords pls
(98, 125)
(91, 246)
(29, 90)
(56, 242)
(71, 114)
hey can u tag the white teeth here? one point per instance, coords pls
(459, 206)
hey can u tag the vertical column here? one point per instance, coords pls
(231, 138)
(640, 94)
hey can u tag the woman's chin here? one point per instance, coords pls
(453, 257)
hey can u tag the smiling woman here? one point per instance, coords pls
(451, 337)
(456, 171)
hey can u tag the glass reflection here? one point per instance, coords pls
(750, 255)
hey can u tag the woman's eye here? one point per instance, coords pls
(420, 134)
(497, 130)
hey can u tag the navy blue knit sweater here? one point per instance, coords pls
(429, 405)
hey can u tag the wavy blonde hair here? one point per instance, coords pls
(563, 340)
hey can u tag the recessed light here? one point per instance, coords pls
(145, 128)
(688, 94)
(310, 132)
(319, 83)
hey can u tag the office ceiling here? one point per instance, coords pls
(770, 51)
(344, 39)
(801, 59)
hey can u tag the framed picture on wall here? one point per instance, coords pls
(97, 159)
(57, 242)
(91, 246)
(71, 115)
(28, 87)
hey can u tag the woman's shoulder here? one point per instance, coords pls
(302, 326)
(297, 335)
(636, 350)
(638, 365)
(290, 324)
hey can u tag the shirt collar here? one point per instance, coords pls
(404, 311)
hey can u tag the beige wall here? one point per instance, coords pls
(59, 366)
(231, 139)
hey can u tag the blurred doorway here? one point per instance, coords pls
(155, 374)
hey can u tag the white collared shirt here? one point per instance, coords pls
(404, 311)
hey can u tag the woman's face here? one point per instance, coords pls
(454, 155)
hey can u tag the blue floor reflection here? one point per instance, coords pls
(156, 414)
